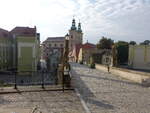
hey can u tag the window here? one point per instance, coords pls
(49, 45)
(61, 45)
(71, 36)
(55, 45)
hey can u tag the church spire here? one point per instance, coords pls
(79, 27)
(73, 27)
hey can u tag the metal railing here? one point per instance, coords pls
(27, 78)
(36, 78)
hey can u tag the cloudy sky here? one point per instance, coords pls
(117, 19)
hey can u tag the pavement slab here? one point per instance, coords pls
(44, 102)
(107, 93)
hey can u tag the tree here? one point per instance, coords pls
(122, 50)
(146, 42)
(105, 43)
(132, 43)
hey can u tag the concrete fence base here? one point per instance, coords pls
(138, 77)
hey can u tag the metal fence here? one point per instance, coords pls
(26, 78)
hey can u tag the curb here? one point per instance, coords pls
(38, 90)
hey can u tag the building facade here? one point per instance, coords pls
(76, 35)
(5, 50)
(88, 53)
(85, 52)
(52, 50)
(26, 48)
(19, 49)
(139, 57)
(52, 45)
(57, 44)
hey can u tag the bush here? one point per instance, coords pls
(1, 83)
(92, 65)
(81, 62)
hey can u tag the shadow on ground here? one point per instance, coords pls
(113, 80)
(86, 93)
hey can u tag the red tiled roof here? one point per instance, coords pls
(77, 48)
(25, 31)
(88, 46)
(4, 33)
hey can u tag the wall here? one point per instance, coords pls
(27, 58)
(5, 53)
(75, 38)
(46, 49)
(139, 57)
(80, 56)
(52, 43)
(135, 76)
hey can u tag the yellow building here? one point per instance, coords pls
(85, 52)
(139, 57)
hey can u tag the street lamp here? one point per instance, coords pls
(67, 37)
(66, 47)
(65, 60)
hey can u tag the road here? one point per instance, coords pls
(107, 93)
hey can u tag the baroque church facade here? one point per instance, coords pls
(56, 44)
(76, 35)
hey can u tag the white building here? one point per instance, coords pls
(52, 45)
(139, 57)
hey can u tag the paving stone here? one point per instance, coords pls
(107, 93)
(47, 102)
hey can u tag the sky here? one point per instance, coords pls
(116, 19)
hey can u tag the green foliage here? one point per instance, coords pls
(97, 58)
(92, 65)
(132, 43)
(146, 42)
(105, 43)
(81, 62)
(122, 49)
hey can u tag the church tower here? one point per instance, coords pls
(75, 34)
